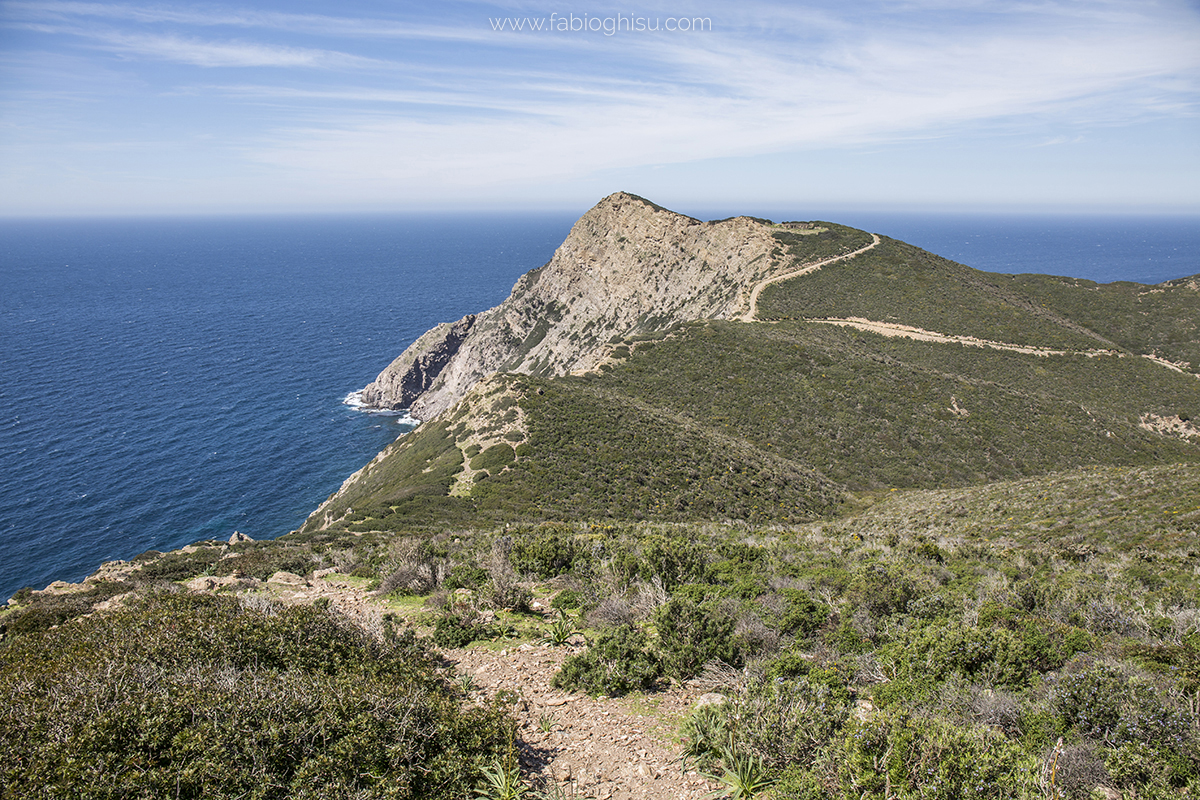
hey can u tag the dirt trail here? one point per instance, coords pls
(608, 749)
(612, 749)
(909, 332)
(892, 329)
(796, 273)
(920, 334)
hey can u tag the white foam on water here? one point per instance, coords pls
(354, 400)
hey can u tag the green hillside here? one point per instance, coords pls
(914, 568)
(758, 422)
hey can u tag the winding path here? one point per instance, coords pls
(796, 273)
(893, 329)
(920, 334)
(910, 332)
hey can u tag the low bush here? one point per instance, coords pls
(44, 611)
(261, 560)
(546, 552)
(615, 664)
(180, 565)
(692, 634)
(202, 697)
(786, 721)
(456, 630)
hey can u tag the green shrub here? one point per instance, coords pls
(465, 576)
(912, 756)
(882, 589)
(263, 559)
(706, 735)
(458, 630)
(495, 458)
(787, 721)
(615, 664)
(691, 634)
(802, 615)
(567, 598)
(202, 697)
(44, 611)
(1105, 705)
(180, 565)
(547, 552)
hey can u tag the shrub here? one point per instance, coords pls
(263, 559)
(495, 458)
(613, 612)
(567, 598)
(786, 721)
(691, 634)
(457, 630)
(45, 611)
(615, 664)
(411, 568)
(179, 565)
(802, 615)
(465, 576)
(882, 589)
(547, 553)
(201, 696)
(706, 734)
(922, 757)
(1105, 705)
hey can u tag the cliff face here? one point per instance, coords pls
(627, 266)
(415, 370)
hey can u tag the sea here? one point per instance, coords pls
(171, 380)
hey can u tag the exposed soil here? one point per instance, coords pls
(605, 748)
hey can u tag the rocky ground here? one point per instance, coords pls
(605, 748)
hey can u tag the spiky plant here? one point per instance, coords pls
(745, 777)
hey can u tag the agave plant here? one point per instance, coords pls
(501, 781)
(744, 778)
(561, 630)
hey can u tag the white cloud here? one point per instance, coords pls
(473, 111)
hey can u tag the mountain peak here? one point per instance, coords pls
(628, 266)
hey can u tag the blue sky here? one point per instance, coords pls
(133, 108)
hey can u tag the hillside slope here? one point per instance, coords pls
(628, 266)
(871, 364)
(929, 532)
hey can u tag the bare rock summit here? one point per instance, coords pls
(627, 267)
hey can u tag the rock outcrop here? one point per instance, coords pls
(410, 375)
(627, 267)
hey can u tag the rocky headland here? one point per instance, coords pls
(627, 266)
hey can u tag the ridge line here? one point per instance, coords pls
(796, 273)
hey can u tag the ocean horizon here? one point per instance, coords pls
(176, 379)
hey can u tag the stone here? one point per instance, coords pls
(711, 699)
(289, 579)
(239, 537)
(208, 583)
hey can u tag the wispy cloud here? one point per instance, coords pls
(370, 105)
(318, 24)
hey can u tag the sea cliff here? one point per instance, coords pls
(627, 266)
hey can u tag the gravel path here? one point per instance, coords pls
(796, 273)
(612, 748)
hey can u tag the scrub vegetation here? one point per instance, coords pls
(911, 569)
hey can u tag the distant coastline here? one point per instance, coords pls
(247, 335)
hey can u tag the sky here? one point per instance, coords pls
(114, 108)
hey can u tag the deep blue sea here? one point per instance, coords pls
(166, 381)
